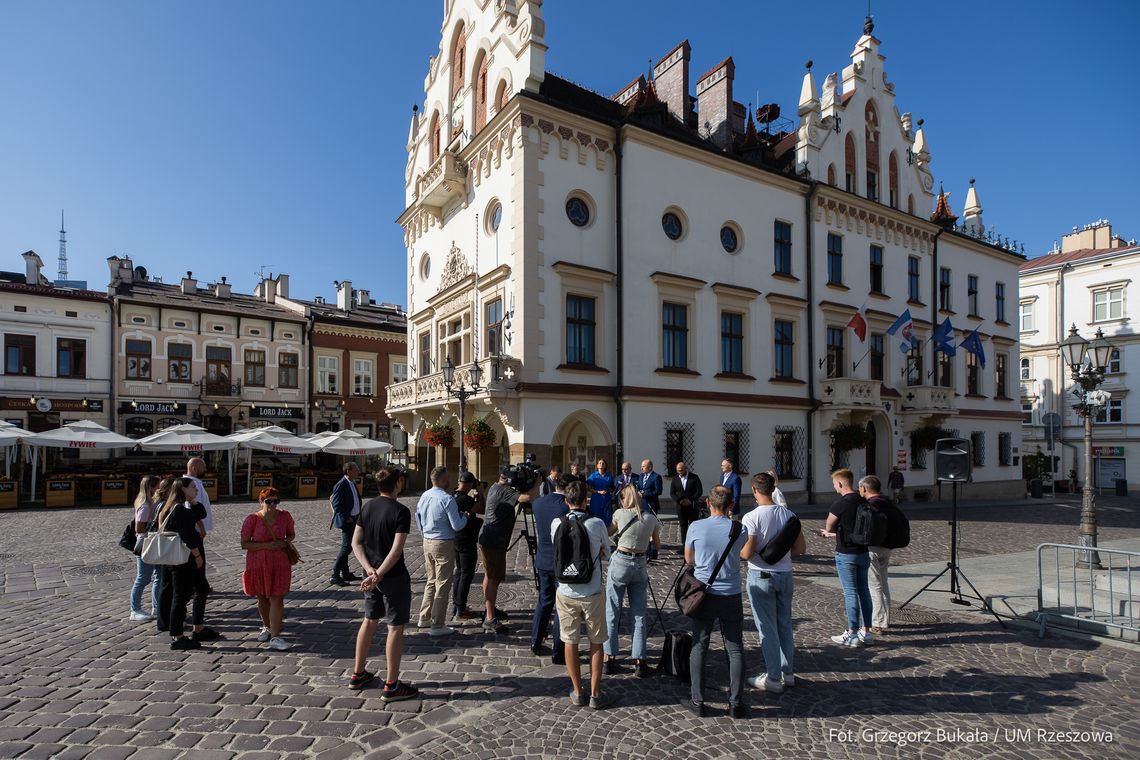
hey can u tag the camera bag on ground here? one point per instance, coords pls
(898, 526)
(690, 592)
(675, 653)
(573, 560)
(782, 542)
(870, 528)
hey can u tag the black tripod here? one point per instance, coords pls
(954, 569)
(530, 535)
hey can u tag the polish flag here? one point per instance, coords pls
(858, 323)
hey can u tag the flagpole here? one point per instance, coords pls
(855, 365)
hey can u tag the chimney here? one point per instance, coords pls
(363, 298)
(222, 288)
(344, 295)
(714, 103)
(189, 284)
(269, 289)
(671, 79)
(32, 265)
(283, 285)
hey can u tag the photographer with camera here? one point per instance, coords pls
(517, 483)
(469, 499)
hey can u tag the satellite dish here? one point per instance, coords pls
(140, 273)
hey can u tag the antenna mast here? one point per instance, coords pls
(61, 274)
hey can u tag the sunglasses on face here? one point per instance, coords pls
(273, 501)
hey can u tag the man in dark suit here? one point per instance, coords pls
(550, 482)
(686, 492)
(625, 477)
(649, 486)
(546, 510)
(346, 508)
(730, 480)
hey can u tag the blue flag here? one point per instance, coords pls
(943, 338)
(906, 325)
(973, 344)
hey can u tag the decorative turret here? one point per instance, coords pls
(972, 213)
(808, 100)
(942, 215)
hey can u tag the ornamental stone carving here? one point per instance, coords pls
(455, 269)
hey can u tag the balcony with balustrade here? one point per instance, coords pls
(927, 404)
(444, 181)
(428, 394)
(847, 400)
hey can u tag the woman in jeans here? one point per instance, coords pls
(144, 511)
(635, 529)
(268, 572)
(181, 514)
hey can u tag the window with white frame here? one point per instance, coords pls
(399, 372)
(1026, 316)
(1113, 362)
(328, 371)
(1108, 304)
(362, 377)
(1027, 413)
(1026, 369)
(1111, 414)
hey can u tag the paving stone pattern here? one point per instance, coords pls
(78, 680)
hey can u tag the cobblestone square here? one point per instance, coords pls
(78, 680)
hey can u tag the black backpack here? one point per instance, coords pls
(898, 526)
(870, 527)
(573, 560)
(675, 654)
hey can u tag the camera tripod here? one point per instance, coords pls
(955, 569)
(529, 534)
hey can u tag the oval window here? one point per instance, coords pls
(671, 223)
(577, 211)
(425, 266)
(728, 239)
(496, 217)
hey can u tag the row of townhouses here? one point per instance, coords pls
(146, 355)
(667, 274)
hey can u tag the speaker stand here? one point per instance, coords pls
(952, 567)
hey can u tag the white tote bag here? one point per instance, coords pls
(164, 547)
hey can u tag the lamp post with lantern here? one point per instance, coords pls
(1087, 364)
(462, 393)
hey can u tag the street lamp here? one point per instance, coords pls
(462, 393)
(1087, 363)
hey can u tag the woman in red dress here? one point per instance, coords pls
(264, 536)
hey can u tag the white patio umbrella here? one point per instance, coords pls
(191, 439)
(84, 434)
(273, 438)
(10, 435)
(349, 443)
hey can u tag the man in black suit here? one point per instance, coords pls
(346, 508)
(686, 491)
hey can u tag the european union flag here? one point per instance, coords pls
(943, 338)
(973, 344)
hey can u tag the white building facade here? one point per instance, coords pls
(652, 276)
(1086, 283)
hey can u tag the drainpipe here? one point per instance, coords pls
(809, 481)
(619, 388)
(112, 394)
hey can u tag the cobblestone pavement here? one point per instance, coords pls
(77, 680)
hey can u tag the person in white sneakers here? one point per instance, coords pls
(265, 534)
(851, 561)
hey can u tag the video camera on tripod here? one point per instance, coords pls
(523, 477)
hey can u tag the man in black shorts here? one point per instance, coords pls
(378, 543)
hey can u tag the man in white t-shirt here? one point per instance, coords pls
(195, 469)
(770, 586)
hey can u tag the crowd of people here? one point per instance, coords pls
(580, 523)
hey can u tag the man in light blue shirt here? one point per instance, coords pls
(579, 603)
(705, 543)
(439, 520)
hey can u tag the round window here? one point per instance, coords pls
(577, 211)
(425, 266)
(496, 217)
(671, 223)
(728, 239)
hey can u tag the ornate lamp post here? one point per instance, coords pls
(1087, 363)
(462, 393)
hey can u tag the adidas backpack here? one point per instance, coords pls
(573, 560)
(870, 527)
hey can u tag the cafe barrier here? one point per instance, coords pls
(114, 492)
(9, 490)
(60, 493)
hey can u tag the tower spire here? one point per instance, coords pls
(61, 273)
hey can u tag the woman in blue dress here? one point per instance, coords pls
(601, 484)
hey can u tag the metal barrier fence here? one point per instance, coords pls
(1103, 596)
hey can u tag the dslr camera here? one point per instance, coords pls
(523, 476)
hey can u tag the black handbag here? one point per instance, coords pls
(129, 537)
(782, 542)
(691, 592)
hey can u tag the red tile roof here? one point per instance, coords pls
(1057, 259)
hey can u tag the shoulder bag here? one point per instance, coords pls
(691, 592)
(290, 550)
(782, 542)
(621, 532)
(163, 547)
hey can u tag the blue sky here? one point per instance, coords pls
(223, 136)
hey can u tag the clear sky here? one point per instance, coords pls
(223, 136)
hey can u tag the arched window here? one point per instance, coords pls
(871, 143)
(893, 179)
(501, 96)
(481, 91)
(849, 163)
(831, 174)
(458, 60)
(434, 136)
